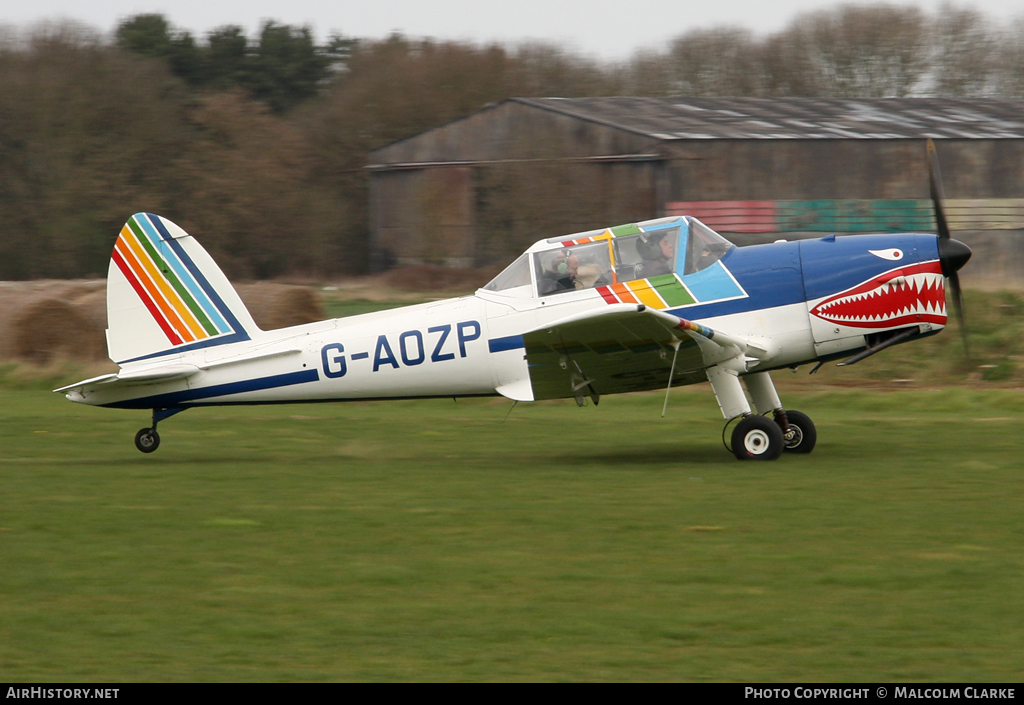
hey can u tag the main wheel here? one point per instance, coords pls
(802, 435)
(757, 438)
(147, 440)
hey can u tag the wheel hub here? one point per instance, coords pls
(794, 436)
(756, 442)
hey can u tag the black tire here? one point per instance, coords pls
(757, 438)
(147, 440)
(805, 435)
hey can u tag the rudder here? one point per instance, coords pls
(166, 295)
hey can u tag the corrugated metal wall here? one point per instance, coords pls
(523, 175)
(479, 190)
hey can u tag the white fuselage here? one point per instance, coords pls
(455, 347)
(440, 348)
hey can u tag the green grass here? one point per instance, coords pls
(995, 325)
(432, 541)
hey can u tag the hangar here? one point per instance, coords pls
(479, 189)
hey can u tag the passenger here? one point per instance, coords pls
(559, 273)
(590, 275)
(658, 253)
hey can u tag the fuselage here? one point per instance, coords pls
(811, 299)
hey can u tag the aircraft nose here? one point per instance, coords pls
(953, 255)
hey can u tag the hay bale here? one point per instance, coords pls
(50, 328)
(93, 305)
(75, 328)
(41, 320)
(276, 306)
(432, 277)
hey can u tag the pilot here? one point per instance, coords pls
(559, 273)
(657, 252)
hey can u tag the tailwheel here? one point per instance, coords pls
(801, 435)
(147, 440)
(757, 438)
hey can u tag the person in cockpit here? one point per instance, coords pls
(559, 273)
(657, 252)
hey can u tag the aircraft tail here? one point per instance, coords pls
(166, 295)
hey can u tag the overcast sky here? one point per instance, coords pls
(599, 28)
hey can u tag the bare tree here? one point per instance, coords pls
(1009, 61)
(875, 51)
(964, 54)
(716, 62)
(85, 134)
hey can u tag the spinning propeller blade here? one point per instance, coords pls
(953, 254)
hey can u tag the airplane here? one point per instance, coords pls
(656, 304)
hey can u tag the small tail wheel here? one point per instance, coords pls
(802, 435)
(147, 440)
(757, 438)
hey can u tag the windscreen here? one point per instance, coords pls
(515, 275)
(705, 247)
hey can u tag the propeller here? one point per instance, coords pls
(953, 254)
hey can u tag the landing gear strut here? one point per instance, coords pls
(758, 437)
(801, 435)
(147, 439)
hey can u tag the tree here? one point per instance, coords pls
(1009, 71)
(86, 136)
(146, 34)
(716, 62)
(152, 35)
(874, 51)
(963, 61)
(227, 58)
(287, 66)
(284, 68)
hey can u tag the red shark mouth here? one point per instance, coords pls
(903, 296)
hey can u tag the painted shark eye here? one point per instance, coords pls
(892, 254)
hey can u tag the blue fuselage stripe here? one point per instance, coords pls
(187, 396)
(510, 342)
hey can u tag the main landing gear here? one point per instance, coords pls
(147, 439)
(759, 437)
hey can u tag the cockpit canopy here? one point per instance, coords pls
(667, 246)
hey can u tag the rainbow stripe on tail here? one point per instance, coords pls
(166, 295)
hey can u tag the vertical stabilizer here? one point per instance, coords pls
(166, 295)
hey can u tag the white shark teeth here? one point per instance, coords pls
(924, 285)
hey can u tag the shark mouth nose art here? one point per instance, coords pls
(914, 294)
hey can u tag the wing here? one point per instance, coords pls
(622, 348)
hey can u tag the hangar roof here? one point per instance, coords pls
(798, 118)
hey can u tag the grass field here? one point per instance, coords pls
(433, 541)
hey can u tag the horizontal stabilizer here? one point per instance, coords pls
(250, 357)
(153, 374)
(102, 379)
(163, 373)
